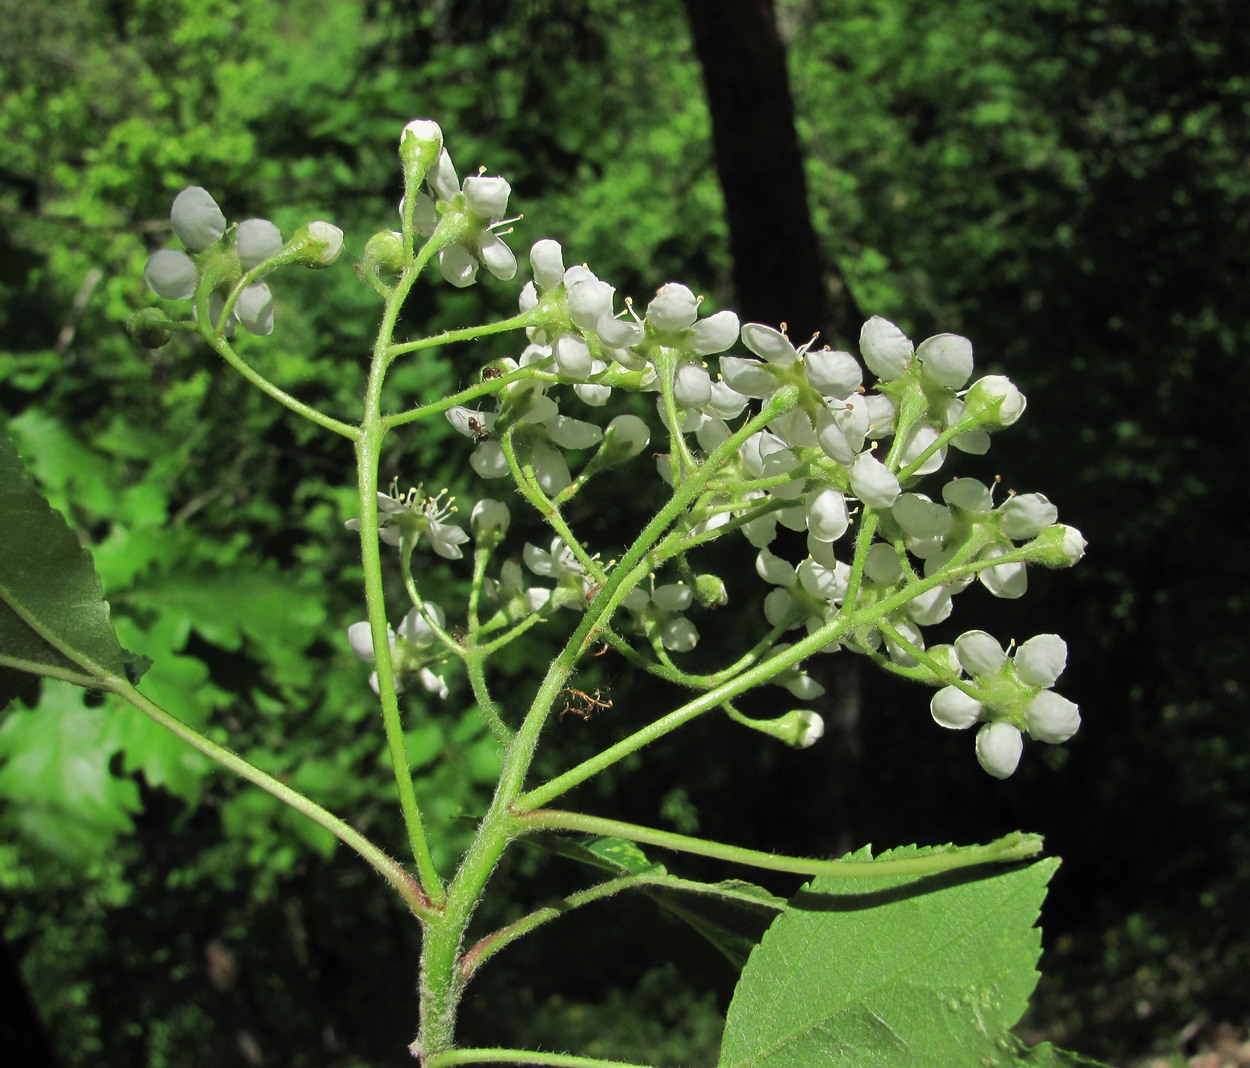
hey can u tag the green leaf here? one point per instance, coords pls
(919, 970)
(53, 616)
(55, 774)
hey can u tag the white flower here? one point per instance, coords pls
(420, 516)
(833, 374)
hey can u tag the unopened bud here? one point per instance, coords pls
(149, 328)
(419, 146)
(994, 401)
(384, 252)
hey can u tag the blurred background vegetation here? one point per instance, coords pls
(1066, 184)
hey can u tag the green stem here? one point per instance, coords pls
(384, 865)
(521, 1056)
(368, 451)
(224, 349)
(467, 333)
(1011, 847)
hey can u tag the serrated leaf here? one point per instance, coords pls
(53, 616)
(916, 970)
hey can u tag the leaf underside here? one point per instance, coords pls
(929, 970)
(53, 616)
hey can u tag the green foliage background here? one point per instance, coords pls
(1069, 185)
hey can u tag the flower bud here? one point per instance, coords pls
(171, 274)
(317, 245)
(489, 520)
(710, 591)
(547, 260)
(994, 401)
(1058, 546)
(420, 144)
(999, 746)
(196, 218)
(384, 252)
(623, 439)
(149, 328)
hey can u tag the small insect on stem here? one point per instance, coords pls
(581, 704)
(479, 432)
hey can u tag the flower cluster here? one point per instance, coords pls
(254, 249)
(469, 213)
(836, 456)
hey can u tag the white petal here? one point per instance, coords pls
(945, 360)
(835, 374)
(1052, 718)
(487, 196)
(1041, 660)
(715, 333)
(979, 653)
(954, 709)
(256, 240)
(872, 482)
(885, 348)
(769, 344)
(196, 218)
(999, 746)
(673, 308)
(171, 274)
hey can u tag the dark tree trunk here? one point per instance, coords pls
(778, 270)
(23, 1037)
